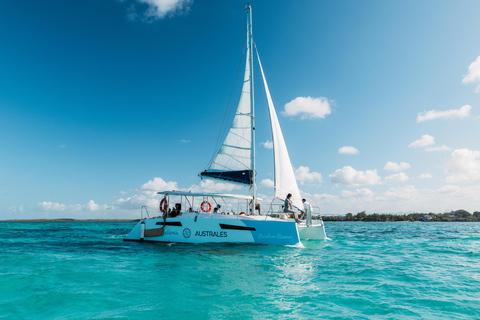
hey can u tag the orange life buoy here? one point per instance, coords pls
(163, 205)
(207, 205)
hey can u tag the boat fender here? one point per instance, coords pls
(142, 230)
(164, 205)
(206, 206)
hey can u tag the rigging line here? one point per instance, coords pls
(228, 110)
(190, 190)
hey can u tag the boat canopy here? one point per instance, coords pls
(217, 195)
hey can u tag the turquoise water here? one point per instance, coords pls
(83, 270)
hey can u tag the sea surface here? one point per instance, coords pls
(83, 270)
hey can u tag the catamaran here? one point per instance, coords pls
(235, 218)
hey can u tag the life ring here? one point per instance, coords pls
(164, 205)
(206, 204)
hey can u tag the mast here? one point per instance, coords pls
(253, 188)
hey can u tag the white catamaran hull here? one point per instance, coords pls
(216, 228)
(313, 232)
(209, 228)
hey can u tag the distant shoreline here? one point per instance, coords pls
(70, 220)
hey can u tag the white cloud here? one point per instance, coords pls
(266, 183)
(135, 202)
(308, 107)
(158, 9)
(55, 206)
(463, 112)
(351, 177)
(393, 166)
(184, 140)
(363, 192)
(399, 199)
(304, 176)
(473, 74)
(397, 177)
(158, 184)
(92, 206)
(425, 140)
(438, 148)
(59, 207)
(348, 150)
(449, 189)
(400, 193)
(267, 144)
(212, 186)
(425, 176)
(463, 165)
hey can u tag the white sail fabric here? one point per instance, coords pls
(235, 154)
(285, 181)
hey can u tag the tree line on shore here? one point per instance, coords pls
(458, 215)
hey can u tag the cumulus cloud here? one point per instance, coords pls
(449, 189)
(438, 148)
(213, 186)
(348, 150)
(136, 201)
(266, 183)
(60, 207)
(158, 184)
(409, 193)
(350, 177)
(397, 177)
(308, 107)
(363, 192)
(463, 165)
(304, 176)
(393, 166)
(473, 74)
(463, 112)
(425, 176)
(425, 140)
(159, 9)
(267, 144)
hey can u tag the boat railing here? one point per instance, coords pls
(141, 212)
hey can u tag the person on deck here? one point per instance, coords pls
(307, 207)
(288, 208)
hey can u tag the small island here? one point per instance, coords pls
(453, 216)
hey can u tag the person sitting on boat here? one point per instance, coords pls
(257, 207)
(217, 208)
(288, 208)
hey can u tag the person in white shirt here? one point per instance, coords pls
(307, 207)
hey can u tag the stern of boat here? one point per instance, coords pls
(315, 231)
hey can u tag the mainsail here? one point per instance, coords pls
(285, 181)
(234, 161)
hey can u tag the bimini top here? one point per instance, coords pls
(218, 195)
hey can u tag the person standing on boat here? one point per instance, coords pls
(307, 207)
(288, 207)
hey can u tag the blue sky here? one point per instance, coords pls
(104, 101)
